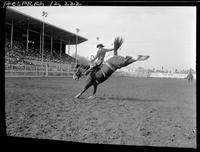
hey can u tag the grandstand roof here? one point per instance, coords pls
(22, 20)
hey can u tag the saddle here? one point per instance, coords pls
(95, 68)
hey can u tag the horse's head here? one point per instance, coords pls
(79, 71)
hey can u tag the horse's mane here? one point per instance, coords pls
(84, 66)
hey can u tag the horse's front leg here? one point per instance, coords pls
(94, 91)
(88, 84)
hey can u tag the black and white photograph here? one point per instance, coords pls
(106, 75)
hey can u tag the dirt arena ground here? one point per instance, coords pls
(126, 111)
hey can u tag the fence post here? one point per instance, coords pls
(46, 69)
(68, 68)
(24, 69)
(12, 69)
(43, 70)
(36, 70)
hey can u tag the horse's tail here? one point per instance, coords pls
(117, 43)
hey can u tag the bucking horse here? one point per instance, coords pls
(106, 70)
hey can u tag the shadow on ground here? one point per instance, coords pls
(130, 99)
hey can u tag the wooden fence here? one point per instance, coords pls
(13, 70)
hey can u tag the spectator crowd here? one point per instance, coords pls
(19, 55)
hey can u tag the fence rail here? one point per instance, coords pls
(12, 70)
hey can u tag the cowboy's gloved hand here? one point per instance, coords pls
(91, 57)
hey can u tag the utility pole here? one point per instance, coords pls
(44, 14)
(77, 30)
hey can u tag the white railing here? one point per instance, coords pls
(12, 70)
(170, 75)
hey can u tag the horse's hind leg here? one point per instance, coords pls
(116, 53)
(95, 88)
(94, 91)
(88, 84)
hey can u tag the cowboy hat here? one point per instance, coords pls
(100, 45)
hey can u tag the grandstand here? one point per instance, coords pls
(23, 49)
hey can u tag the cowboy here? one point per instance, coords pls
(100, 58)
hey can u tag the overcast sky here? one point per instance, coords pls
(167, 34)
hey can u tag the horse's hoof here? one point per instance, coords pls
(91, 97)
(142, 57)
(77, 96)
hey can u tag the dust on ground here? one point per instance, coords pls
(126, 111)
